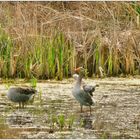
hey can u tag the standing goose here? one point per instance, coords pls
(20, 95)
(82, 96)
(87, 88)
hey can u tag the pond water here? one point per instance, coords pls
(56, 114)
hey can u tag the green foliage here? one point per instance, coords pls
(41, 58)
(110, 64)
(61, 121)
(55, 57)
(7, 86)
(6, 46)
(105, 135)
(70, 121)
(33, 82)
(136, 6)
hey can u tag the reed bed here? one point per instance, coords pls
(47, 40)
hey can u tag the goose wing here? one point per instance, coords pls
(26, 91)
(86, 97)
(89, 89)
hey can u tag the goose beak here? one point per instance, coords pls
(77, 69)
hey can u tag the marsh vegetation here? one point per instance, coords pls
(47, 39)
(40, 45)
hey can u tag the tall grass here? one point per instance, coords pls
(42, 58)
(60, 36)
(6, 46)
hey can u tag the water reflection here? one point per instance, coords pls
(86, 121)
(19, 118)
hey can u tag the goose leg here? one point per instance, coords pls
(90, 109)
(81, 108)
(22, 104)
(19, 104)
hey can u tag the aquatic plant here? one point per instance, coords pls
(6, 48)
(33, 82)
(7, 85)
(81, 123)
(52, 119)
(61, 121)
(105, 135)
(70, 121)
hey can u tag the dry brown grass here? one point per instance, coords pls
(103, 34)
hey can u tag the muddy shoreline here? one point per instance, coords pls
(116, 113)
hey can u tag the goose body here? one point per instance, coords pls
(82, 96)
(90, 89)
(87, 88)
(20, 95)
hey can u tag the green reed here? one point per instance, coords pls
(6, 47)
(110, 63)
(40, 58)
(56, 57)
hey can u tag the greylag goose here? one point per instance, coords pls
(82, 96)
(20, 95)
(87, 88)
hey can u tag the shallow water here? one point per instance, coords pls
(116, 113)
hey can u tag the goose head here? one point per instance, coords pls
(81, 71)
